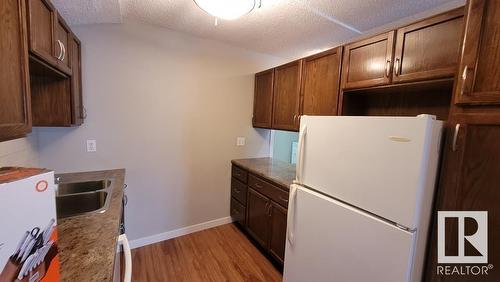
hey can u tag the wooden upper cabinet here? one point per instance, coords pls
(78, 112)
(286, 100)
(15, 115)
(479, 69)
(62, 45)
(321, 83)
(263, 99)
(428, 49)
(41, 21)
(368, 62)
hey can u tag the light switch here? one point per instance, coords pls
(240, 141)
(91, 146)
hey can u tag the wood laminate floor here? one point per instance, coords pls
(218, 254)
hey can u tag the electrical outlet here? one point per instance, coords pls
(91, 146)
(240, 141)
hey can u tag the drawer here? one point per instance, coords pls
(239, 174)
(271, 191)
(238, 211)
(239, 191)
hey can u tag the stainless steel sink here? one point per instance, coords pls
(79, 198)
(82, 187)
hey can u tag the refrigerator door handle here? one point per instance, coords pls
(291, 214)
(300, 154)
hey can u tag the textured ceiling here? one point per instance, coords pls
(286, 28)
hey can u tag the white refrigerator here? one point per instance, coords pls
(361, 203)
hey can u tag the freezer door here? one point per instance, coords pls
(385, 165)
(329, 241)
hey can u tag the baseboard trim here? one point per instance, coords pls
(137, 243)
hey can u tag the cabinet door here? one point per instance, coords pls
(479, 69)
(63, 47)
(258, 217)
(263, 99)
(76, 82)
(15, 115)
(428, 49)
(368, 62)
(41, 21)
(287, 96)
(278, 231)
(469, 182)
(321, 83)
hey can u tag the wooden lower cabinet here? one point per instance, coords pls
(277, 237)
(469, 182)
(260, 208)
(258, 217)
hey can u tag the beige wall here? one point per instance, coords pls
(19, 152)
(167, 107)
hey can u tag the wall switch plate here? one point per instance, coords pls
(240, 141)
(91, 146)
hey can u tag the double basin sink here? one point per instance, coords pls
(79, 198)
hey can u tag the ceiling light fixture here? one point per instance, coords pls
(227, 9)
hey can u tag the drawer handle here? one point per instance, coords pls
(258, 185)
(236, 211)
(237, 174)
(236, 190)
(283, 199)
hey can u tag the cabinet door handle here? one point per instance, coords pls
(388, 68)
(258, 185)
(235, 211)
(269, 209)
(396, 67)
(60, 50)
(464, 79)
(283, 199)
(236, 190)
(455, 137)
(63, 52)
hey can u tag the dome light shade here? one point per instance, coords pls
(226, 9)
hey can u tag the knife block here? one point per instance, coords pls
(10, 271)
(39, 272)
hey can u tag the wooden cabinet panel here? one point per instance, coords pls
(269, 190)
(368, 62)
(77, 114)
(469, 182)
(15, 115)
(479, 69)
(278, 232)
(257, 217)
(263, 99)
(239, 191)
(41, 21)
(321, 83)
(429, 49)
(287, 96)
(238, 212)
(63, 45)
(239, 173)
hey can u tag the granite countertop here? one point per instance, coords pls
(87, 243)
(279, 172)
